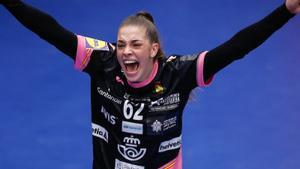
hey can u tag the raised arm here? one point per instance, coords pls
(43, 25)
(248, 39)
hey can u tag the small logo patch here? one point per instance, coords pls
(134, 128)
(170, 144)
(96, 44)
(122, 165)
(156, 126)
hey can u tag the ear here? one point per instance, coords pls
(154, 49)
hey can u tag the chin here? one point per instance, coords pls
(133, 79)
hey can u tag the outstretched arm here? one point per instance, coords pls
(248, 39)
(43, 25)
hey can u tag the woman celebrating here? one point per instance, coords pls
(138, 94)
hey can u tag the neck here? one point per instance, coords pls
(148, 80)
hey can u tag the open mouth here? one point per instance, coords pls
(131, 66)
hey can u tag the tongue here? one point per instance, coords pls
(132, 67)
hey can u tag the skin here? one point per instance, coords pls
(293, 6)
(133, 46)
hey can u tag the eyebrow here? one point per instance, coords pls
(133, 41)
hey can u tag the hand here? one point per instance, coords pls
(293, 6)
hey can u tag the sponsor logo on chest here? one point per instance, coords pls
(133, 112)
(107, 95)
(99, 131)
(170, 144)
(131, 149)
(123, 165)
(160, 126)
(110, 118)
(134, 128)
(170, 102)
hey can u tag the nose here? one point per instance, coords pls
(127, 50)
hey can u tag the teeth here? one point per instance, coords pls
(129, 61)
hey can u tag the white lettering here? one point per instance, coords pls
(129, 112)
(165, 104)
(170, 144)
(122, 165)
(99, 131)
(108, 96)
(110, 118)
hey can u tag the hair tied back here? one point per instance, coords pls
(145, 15)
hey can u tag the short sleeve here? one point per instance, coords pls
(90, 51)
(200, 71)
(190, 69)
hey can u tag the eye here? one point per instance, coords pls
(137, 45)
(120, 45)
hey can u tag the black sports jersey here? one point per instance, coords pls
(137, 125)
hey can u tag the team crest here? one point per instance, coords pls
(158, 88)
(156, 126)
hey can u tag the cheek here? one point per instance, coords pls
(118, 53)
(146, 63)
(119, 58)
(144, 57)
(144, 54)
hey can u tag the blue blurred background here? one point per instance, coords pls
(247, 119)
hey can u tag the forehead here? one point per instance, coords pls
(132, 32)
